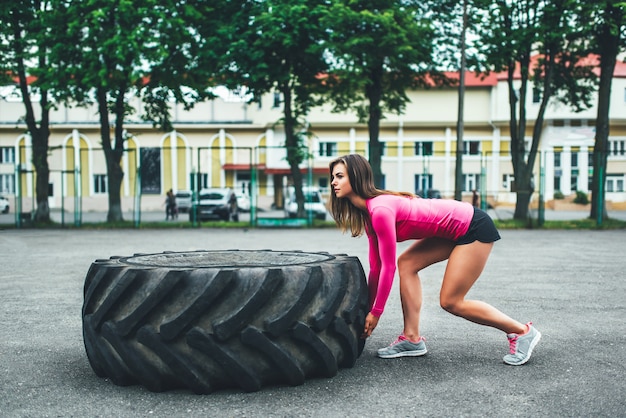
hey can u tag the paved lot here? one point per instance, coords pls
(570, 283)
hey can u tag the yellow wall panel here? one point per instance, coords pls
(391, 149)
(343, 148)
(216, 168)
(181, 164)
(132, 167)
(70, 165)
(166, 162)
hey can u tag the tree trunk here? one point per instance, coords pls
(526, 161)
(517, 128)
(39, 135)
(458, 170)
(374, 94)
(609, 47)
(294, 154)
(114, 169)
(40, 161)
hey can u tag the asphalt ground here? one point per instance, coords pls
(569, 283)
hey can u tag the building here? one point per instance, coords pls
(226, 142)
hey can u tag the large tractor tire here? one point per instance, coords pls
(211, 320)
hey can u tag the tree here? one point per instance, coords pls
(113, 50)
(534, 43)
(24, 25)
(379, 50)
(276, 47)
(608, 40)
(455, 23)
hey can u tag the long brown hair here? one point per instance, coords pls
(346, 215)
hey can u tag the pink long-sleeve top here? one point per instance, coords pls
(400, 218)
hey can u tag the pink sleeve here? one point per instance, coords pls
(383, 253)
(374, 273)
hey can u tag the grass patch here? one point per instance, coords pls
(589, 224)
(561, 225)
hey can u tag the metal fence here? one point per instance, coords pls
(78, 186)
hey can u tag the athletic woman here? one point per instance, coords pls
(443, 230)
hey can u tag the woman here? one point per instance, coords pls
(443, 230)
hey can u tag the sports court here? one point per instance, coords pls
(569, 283)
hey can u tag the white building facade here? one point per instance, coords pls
(226, 142)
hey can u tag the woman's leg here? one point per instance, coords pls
(465, 264)
(418, 256)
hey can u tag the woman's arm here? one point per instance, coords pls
(384, 235)
(374, 273)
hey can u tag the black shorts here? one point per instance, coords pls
(481, 229)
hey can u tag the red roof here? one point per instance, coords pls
(242, 167)
(286, 171)
(263, 167)
(473, 80)
(482, 80)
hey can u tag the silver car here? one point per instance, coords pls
(215, 203)
(183, 200)
(313, 201)
(4, 204)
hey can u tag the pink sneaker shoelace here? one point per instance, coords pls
(401, 338)
(513, 339)
(512, 343)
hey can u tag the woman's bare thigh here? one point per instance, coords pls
(424, 253)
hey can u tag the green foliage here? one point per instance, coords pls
(363, 56)
(277, 46)
(558, 195)
(379, 49)
(533, 42)
(581, 198)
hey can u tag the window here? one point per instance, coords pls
(574, 182)
(276, 102)
(328, 149)
(424, 148)
(7, 155)
(7, 183)
(99, 183)
(574, 158)
(557, 158)
(557, 183)
(322, 183)
(508, 182)
(471, 148)
(614, 183)
(536, 95)
(203, 180)
(617, 147)
(423, 182)
(471, 182)
(150, 170)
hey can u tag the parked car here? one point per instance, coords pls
(4, 204)
(215, 203)
(430, 194)
(312, 201)
(243, 202)
(183, 200)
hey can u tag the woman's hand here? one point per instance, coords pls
(370, 323)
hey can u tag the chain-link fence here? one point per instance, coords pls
(79, 188)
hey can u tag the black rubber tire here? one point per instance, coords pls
(211, 320)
